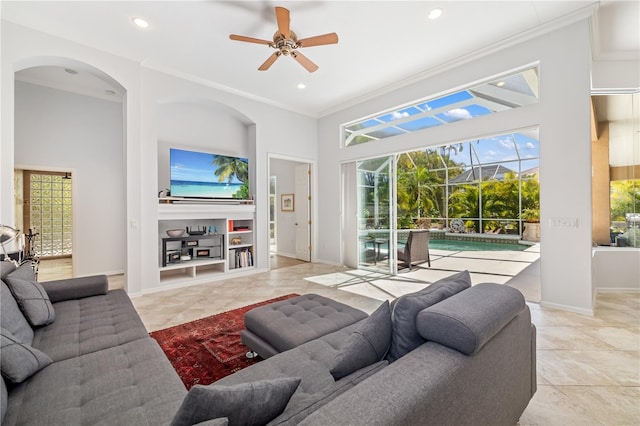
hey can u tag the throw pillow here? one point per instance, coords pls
(367, 344)
(20, 361)
(31, 296)
(247, 404)
(405, 336)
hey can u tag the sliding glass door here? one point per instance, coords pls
(376, 214)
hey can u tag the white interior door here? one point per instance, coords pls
(302, 208)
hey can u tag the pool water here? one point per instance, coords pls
(456, 245)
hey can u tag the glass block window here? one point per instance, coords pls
(49, 212)
(499, 94)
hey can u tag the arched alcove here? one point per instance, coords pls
(201, 124)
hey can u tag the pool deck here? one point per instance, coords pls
(519, 269)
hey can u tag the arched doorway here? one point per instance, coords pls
(68, 127)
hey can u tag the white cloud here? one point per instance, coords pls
(506, 143)
(458, 114)
(397, 114)
(529, 145)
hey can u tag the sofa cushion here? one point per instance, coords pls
(301, 405)
(90, 324)
(12, 318)
(31, 297)
(19, 360)
(368, 344)
(131, 384)
(248, 404)
(405, 337)
(466, 321)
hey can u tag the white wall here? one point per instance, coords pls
(146, 89)
(563, 118)
(56, 130)
(615, 76)
(266, 135)
(616, 269)
(199, 127)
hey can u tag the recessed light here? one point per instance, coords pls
(70, 71)
(301, 85)
(500, 83)
(140, 22)
(435, 13)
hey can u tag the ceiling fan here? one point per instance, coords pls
(286, 42)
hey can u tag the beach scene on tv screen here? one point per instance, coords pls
(206, 175)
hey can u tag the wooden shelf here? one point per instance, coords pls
(191, 264)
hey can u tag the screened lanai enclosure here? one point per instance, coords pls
(482, 186)
(486, 186)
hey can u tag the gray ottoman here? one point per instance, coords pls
(283, 325)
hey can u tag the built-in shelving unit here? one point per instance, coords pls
(240, 244)
(225, 248)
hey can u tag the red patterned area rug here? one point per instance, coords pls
(210, 348)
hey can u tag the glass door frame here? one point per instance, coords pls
(374, 240)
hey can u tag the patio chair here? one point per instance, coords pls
(416, 249)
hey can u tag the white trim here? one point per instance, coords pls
(74, 201)
(617, 290)
(567, 308)
(313, 193)
(290, 255)
(209, 83)
(540, 30)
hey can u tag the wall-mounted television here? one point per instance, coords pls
(206, 175)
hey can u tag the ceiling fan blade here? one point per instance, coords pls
(284, 21)
(249, 39)
(270, 60)
(330, 38)
(304, 61)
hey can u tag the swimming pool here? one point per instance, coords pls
(457, 245)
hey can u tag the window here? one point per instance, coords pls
(497, 95)
(488, 183)
(49, 212)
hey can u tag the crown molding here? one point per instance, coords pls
(553, 25)
(223, 88)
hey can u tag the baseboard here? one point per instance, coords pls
(290, 255)
(567, 308)
(617, 290)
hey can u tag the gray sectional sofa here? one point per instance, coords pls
(101, 366)
(449, 354)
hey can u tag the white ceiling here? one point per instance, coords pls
(382, 43)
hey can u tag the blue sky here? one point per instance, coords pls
(502, 148)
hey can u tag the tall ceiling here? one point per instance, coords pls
(382, 44)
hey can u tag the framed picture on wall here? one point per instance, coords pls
(287, 202)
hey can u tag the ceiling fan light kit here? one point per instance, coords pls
(286, 42)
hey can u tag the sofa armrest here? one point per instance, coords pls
(76, 288)
(434, 384)
(469, 319)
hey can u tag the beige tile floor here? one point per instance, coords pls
(588, 367)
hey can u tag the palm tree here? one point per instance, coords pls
(228, 167)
